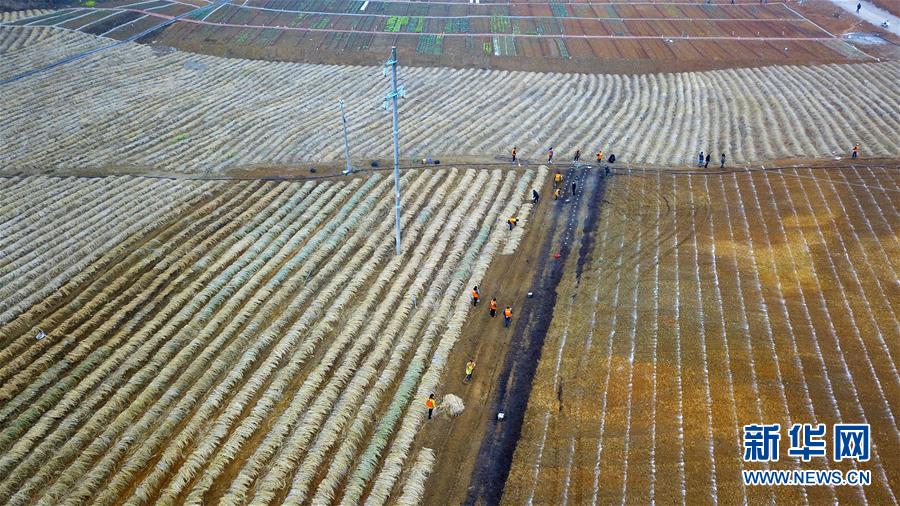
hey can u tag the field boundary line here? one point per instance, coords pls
(808, 20)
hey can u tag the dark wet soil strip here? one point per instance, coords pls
(498, 446)
(591, 220)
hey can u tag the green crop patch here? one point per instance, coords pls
(430, 44)
(417, 25)
(500, 24)
(396, 23)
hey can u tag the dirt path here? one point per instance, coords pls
(506, 359)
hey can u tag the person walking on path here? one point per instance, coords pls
(708, 158)
(556, 194)
(577, 155)
(557, 179)
(550, 155)
(507, 316)
(430, 404)
(573, 189)
(470, 368)
(514, 154)
(493, 307)
(475, 295)
(858, 7)
(722, 159)
(855, 151)
(535, 196)
(700, 159)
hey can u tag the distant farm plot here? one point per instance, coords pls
(140, 112)
(534, 36)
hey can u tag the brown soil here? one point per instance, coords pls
(313, 54)
(635, 400)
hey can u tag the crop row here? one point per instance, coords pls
(251, 341)
(44, 248)
(279, 113)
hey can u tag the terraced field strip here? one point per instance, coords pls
(234, 15)
(264, 345)
(738, 297)
(133, 119)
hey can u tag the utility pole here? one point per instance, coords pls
(392, 98)
(349, 168)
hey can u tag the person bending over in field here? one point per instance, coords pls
(535, 196)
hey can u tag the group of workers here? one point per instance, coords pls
(430, 402)
(704, 162)
(575, 158)
(492, 307)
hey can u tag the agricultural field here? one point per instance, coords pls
(198, 307)
(570, 37)
(243, 341)
(711, 301)
(178, 112)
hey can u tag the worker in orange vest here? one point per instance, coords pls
(475, 295)
(507, 316)
(470, 368)
(493, 307)
(430, 404)
(557, 178)
(600, 156)
(855, 150)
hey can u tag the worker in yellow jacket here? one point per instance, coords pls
(470, 368)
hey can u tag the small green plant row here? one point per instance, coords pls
(397, 23)
(430, 44)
